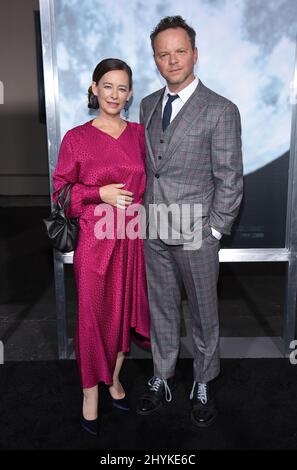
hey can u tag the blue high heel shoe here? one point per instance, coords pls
(89, 425)
(121, 403)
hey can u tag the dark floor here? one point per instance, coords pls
(251, 295)
(256, 400)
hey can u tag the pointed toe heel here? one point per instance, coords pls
(91, 426)
(121, 403)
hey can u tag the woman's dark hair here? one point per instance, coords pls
(173, 22)
(102, 68)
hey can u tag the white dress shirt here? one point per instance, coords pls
(177, 105)
(183, 97)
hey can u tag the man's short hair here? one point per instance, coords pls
(173, 22)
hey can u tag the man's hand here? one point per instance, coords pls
(115, 196)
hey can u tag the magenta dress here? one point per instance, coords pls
(109, 273)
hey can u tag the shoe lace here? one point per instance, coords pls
(155, 383)
(201, 392)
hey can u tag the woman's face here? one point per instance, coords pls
(112, 91)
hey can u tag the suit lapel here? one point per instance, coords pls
(184, 120)
(154, 104)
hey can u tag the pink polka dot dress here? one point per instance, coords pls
(109, 272)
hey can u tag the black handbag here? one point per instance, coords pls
(62, 230)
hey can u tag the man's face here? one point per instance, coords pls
(175, 57)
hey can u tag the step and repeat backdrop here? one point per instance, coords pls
(246, 52)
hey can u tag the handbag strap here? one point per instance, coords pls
(65, 204)
(67, 198)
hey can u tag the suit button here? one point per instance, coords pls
(159, 157)
(157, 175)
(161, 141)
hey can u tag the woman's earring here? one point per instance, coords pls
(126, 109)
(95, 102)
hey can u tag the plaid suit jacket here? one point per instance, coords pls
(201, 157)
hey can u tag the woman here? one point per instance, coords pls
(105, 159)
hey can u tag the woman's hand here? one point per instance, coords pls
(115, 196)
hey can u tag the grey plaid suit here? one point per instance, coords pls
(196, 160)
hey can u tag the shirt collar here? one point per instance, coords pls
(185, 93)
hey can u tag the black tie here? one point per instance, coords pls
(168, 111)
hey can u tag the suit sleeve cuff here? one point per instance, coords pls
(216, 234)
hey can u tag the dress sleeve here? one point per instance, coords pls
(67, 171)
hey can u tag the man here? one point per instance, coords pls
(193, 141)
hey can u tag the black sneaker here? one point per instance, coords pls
(203, 412)
(160, 390)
